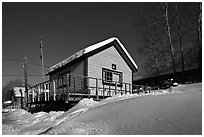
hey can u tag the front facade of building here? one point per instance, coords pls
(103, 66)
(18, 94)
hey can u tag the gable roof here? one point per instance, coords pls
(92, 48)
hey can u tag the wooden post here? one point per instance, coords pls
(74, 86)
(103, 92)
(42, 92)
(115, 87)
(48, 95)
(68, 84)
(97, 89)
(57, 90)
(33, 95)
(109, 89)
(125, 89)
(88, 87)
(38, 93)
(26, 82)
(130, 88)
(82, 92)
(121, 88)
(54, 90)
(44, 87)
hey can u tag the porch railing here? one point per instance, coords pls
(76, 87)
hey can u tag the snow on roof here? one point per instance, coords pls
(88, 50)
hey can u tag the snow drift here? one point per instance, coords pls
(178, 112)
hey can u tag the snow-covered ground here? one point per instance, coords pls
(177, 112)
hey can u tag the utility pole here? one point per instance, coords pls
(41, 57)
(26, 83)
(42, 61)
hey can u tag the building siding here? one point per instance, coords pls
(77, 69)
(94, 65)
(105, 59)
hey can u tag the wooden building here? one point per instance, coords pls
(18, 94)
(97, 69)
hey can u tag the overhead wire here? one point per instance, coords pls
(19, 60)
(10, 75)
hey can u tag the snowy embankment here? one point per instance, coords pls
(178, 112)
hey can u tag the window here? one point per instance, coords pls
(113, 66)
(62, 80)
(116, 76)
(107, 75)
(111, 76)
(69, 78)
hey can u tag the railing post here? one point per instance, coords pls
(103, 91)
(33, 95)
(125, 89)
(82, 92)
(74, 85)
(48, 95)
(67, 88)
(121, 88)
(54, 90)
(97, 89)
(41, 92)
(115, 87)
(44, 87)
(144, 89)
(109, 89)
(130, 88)
(88, 87)
(38, 93)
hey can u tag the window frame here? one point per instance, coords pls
(114, 66)
(62, 80)
(112, 83)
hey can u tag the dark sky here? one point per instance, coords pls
(66, 28)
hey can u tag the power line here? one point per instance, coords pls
(11, 59)
(10, 75)
(18, 60)
(32, 62)
(36, 64)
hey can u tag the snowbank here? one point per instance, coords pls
(79, 108)
(188, 87)
(175, 111)
(168, 114)
(84, 103)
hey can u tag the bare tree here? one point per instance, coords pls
(149, 25)
(180, 42)
(164, 31)
(153, 51)
(200, 36)
(165, 7)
